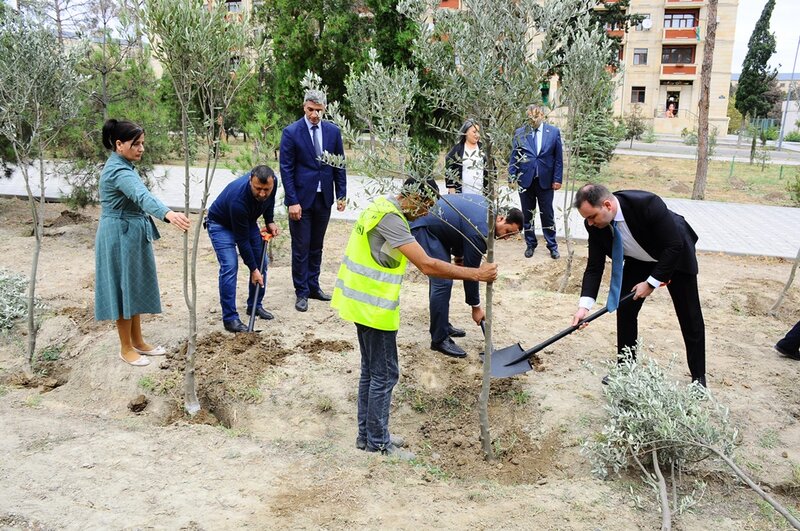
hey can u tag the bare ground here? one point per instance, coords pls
(274, 447)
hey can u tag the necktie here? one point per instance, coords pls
(315, 139)
(535, 147)
(616, 268)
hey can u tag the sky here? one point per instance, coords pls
(784, 24)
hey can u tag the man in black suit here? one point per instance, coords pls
(309, 187)
(658, 246)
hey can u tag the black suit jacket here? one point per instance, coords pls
(665, 235)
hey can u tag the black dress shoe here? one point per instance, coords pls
(319, 295)
(529, 251)
(554, 254)
(606, 379)
(449, 348)
(234, 326)
(301, 305)
(262, 313)
(700, 380)
(786, 352)
(452, 331)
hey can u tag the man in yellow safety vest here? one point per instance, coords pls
(367, 292)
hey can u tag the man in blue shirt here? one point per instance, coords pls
(457, 227)
(233, 223)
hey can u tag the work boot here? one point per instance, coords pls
(394, 451)
(397, 440)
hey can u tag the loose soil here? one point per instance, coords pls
(90, 442)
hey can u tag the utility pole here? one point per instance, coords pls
(788, 96)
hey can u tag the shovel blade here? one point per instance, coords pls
(505, 355)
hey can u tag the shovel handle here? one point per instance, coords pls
(252, 322)
(533, 350)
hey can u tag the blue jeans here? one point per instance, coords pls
(224, 244)
(379, 374)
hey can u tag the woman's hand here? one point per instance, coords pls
(178, 219)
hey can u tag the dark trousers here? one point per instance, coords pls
(308, 235)
(528, 199)
(686, 301)
(791, 342)
(439, 289)
(224, 244)
(379, 374)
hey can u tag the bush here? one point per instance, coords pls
(794, 136)
(793, 187)
(13, 298)
(689, 136)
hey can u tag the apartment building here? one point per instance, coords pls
(661, 59)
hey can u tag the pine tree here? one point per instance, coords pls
(756, 74)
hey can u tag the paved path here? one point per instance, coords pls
(722, 227)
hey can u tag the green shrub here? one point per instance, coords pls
(794, 136)
(13, 298)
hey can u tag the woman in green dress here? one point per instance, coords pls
(126, 284)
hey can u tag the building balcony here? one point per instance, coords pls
(679, 70)
(618, 33)
(681, 35)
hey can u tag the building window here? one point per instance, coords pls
(642, 25)
(680, 19)
(234, 7)
(640, 56)
(681, 55)
(637, 94)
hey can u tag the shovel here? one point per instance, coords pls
(252, 322)
(512, 360)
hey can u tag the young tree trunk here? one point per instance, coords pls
(483, 398)
(191, 403)
(666, 514)
(753, 149)
(788, 284)
(701, 174)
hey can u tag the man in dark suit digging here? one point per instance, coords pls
(658, 248)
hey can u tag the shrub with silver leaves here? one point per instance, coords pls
(13, 298)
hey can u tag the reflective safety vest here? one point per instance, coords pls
(366, 292)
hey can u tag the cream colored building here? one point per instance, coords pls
(662, 58)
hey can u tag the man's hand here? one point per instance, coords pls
(341, 204)
(579, 316)
(642, 290)
(478, 315)
(556, 186)
(486, 272)
(256, 278)
(295, 212)
(273, 229)
(513, 185)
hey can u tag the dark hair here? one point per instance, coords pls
(591, 193)
(121, 130)
(462, 133)
(514, 217)
(426, 187)
(263, 173)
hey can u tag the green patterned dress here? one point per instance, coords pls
(125, 269)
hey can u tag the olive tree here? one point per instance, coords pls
(587, 93)
(38, 89)
(662, 429)
(209, 58)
